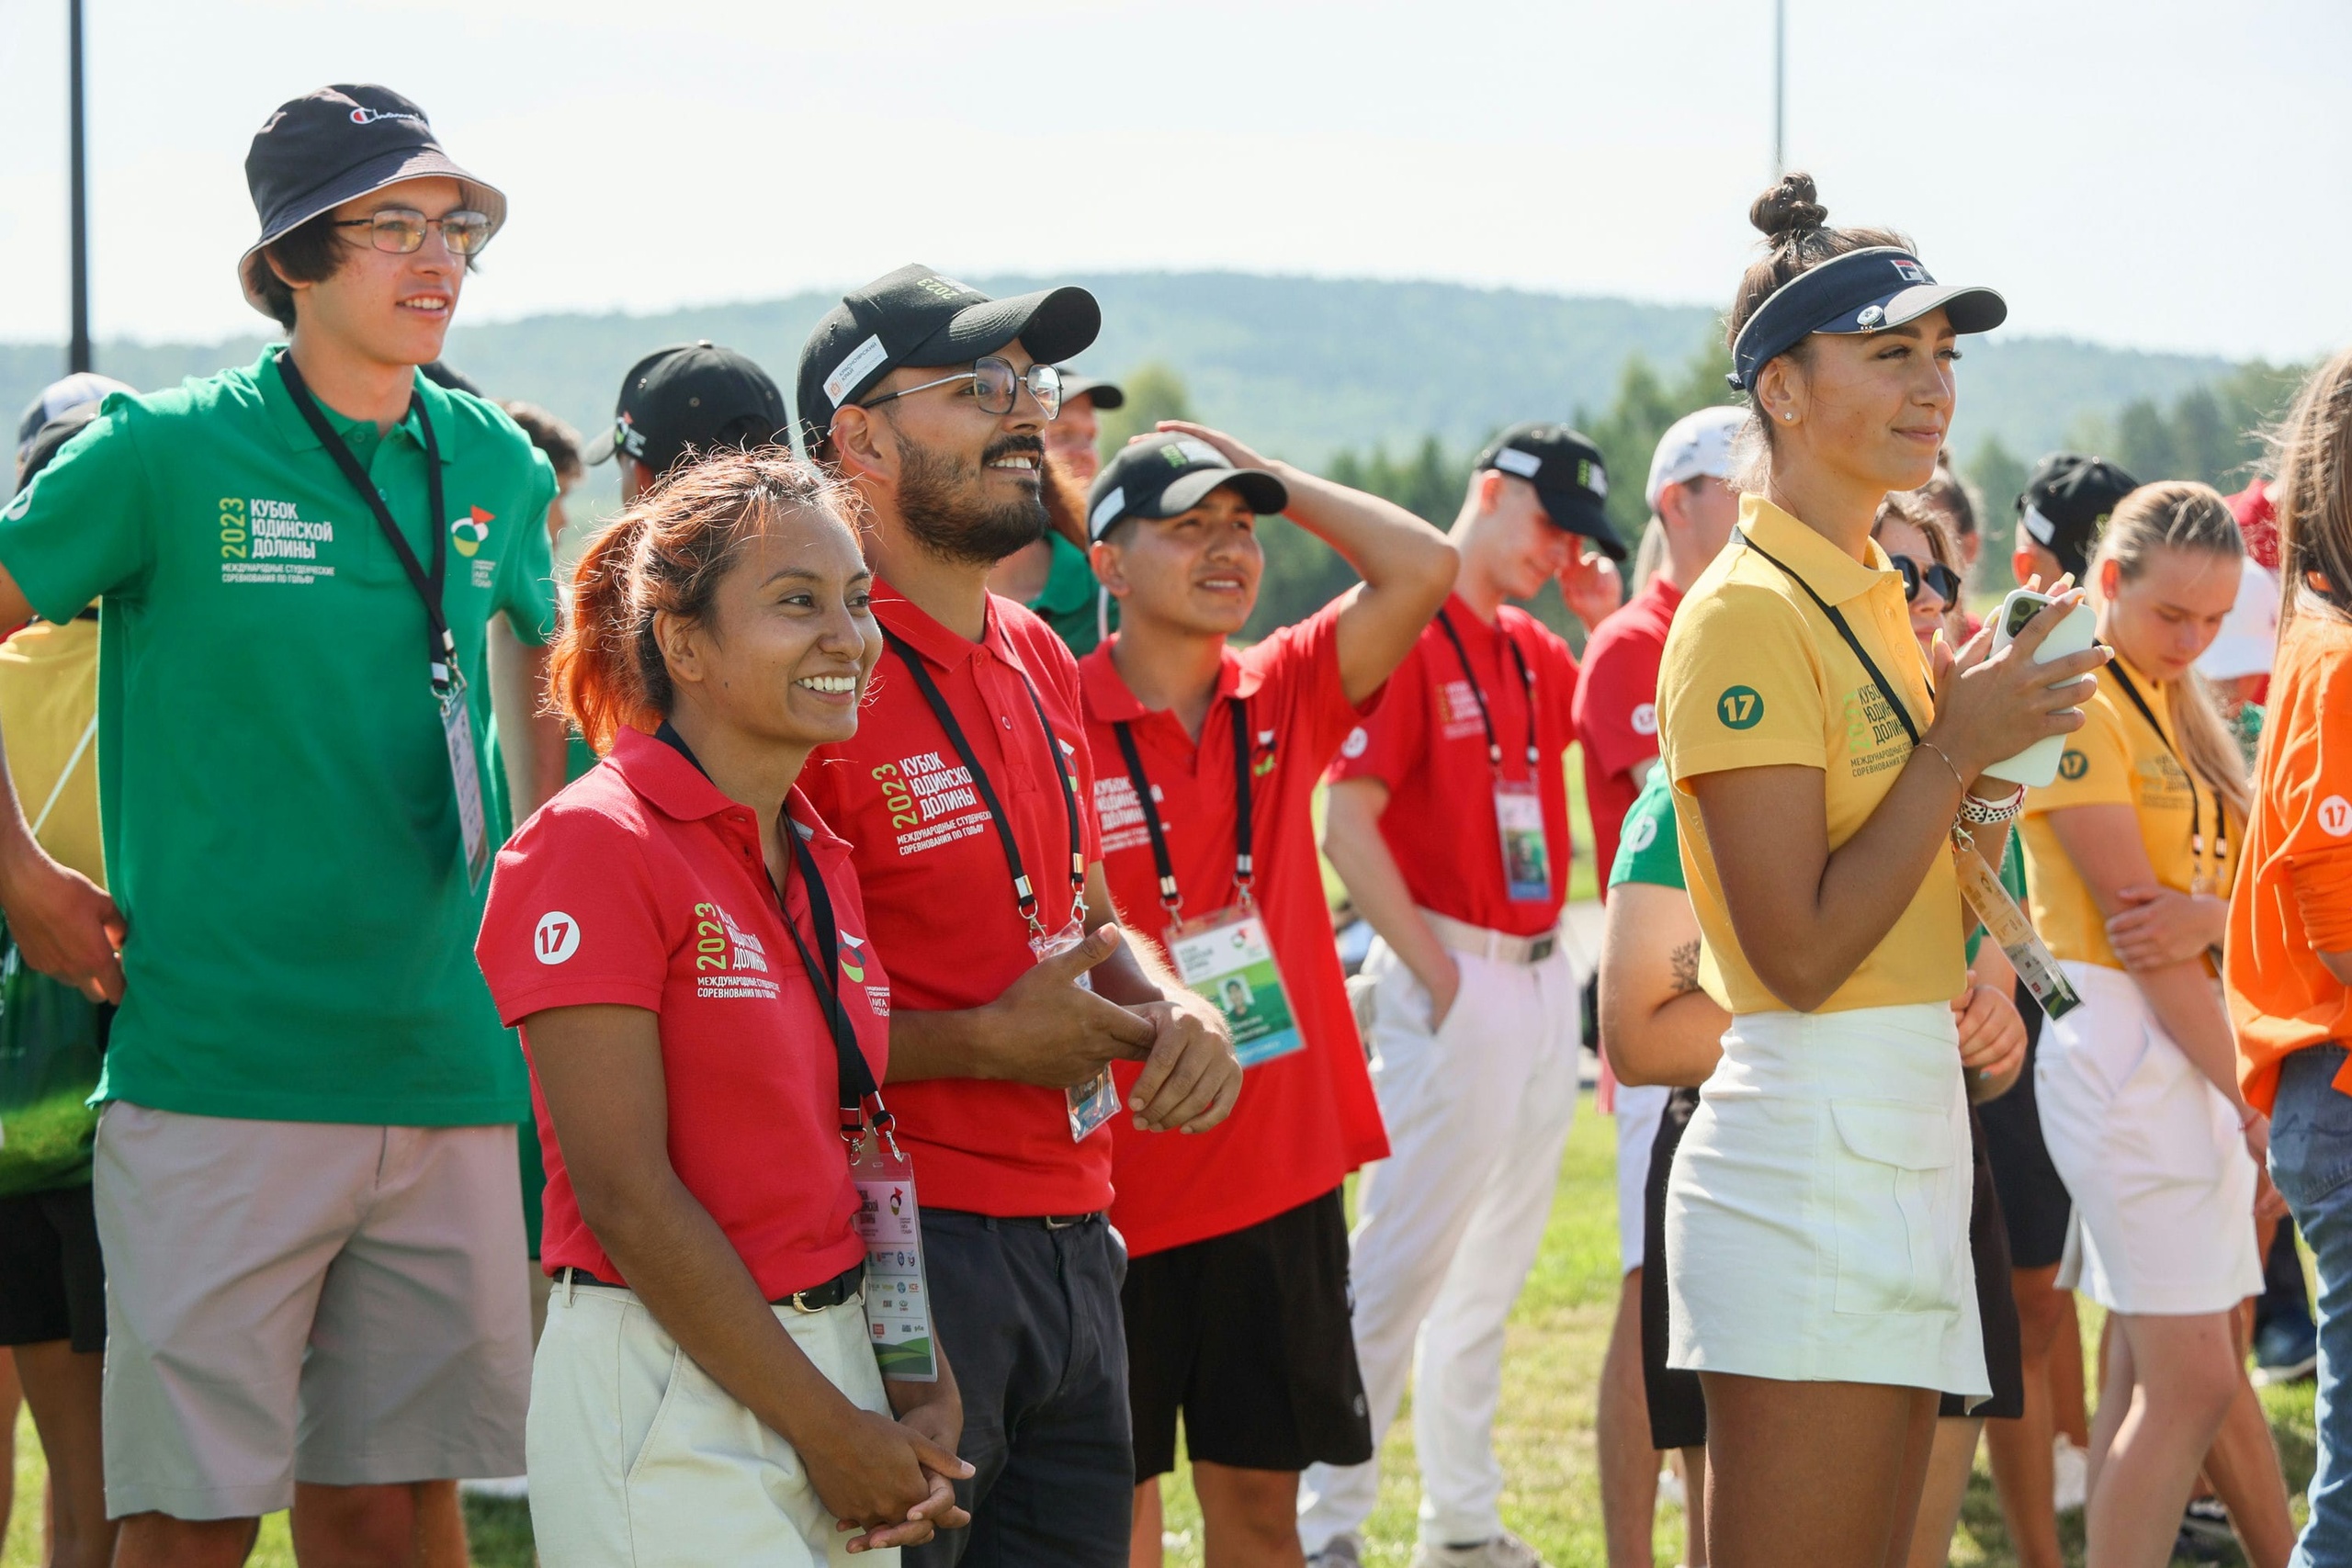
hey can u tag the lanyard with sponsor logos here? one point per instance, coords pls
(1519, 802)
(1024, 894)
(441, 648)
(1244, 862)
(855, 1077)
(2202, 880)
(2004, 922)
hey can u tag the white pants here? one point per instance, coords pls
(1449, 1225)
(639, 1460)
(1640, 1109)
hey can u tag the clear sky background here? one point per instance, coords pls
(2158, 174)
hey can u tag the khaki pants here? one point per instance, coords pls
(639, 1460)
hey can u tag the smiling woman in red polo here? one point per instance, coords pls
(705, 1387)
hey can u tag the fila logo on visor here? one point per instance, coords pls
(557, 938)
(1911, 272)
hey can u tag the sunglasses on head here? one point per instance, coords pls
(400, 230)
(996, 384)
(1935, 575)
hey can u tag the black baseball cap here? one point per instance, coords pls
(51, 438)
(691, 396)
(60, 398)
(317, 152)
(916, 316)
(2067, 500)
(1107, 394)
(1569, 477)
(1167, 475)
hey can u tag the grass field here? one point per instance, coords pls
(1544, 1433)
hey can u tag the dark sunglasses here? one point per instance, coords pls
(996, 384)
(1936, 576)
(400, 230)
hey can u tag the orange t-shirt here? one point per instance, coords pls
(2294, 894)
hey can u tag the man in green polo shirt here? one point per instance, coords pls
(305, 1173)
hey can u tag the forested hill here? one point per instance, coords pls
(1302, 367)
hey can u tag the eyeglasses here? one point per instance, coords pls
(400, 231)
(1936, 576)
(997, 385)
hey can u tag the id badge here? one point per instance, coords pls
(1226, 958)
(898, 1298)
(1096, 1100)
(465, 775)
(2006, 924)
(1527, 864)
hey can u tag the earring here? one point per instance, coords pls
(1788, 413)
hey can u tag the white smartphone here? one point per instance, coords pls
(2037, 763)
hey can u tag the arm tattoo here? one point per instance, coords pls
(1685, 960)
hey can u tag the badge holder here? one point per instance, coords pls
(1095, 1101)
(2006, 924)
(465, 774)
(898, 1295)
(1519, 821)
(1226, 958)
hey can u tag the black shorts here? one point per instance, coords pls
(1996, 1308)
(1678, 1408)
(52, 1280)
(2034, 1200)
(1251, 1335)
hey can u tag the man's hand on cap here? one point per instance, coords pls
(1591, 585)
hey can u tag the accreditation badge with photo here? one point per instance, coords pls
(1227, 958)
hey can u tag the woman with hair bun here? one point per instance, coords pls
(1816, 1220)
(2130, 853)
(708, 1389)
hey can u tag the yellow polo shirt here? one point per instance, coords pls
(2118, 758)
(1753, 676)
(48, 694)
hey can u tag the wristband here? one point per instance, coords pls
(1990, 813)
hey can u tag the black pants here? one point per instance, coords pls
(1030, 1320)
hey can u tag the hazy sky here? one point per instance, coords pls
(2153, 173)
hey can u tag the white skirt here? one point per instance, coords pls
(1816, 1220)
(2162, 1182)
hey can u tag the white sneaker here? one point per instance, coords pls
(2071, 1466)
(1669, 1489)
(1343, 1551)
(1505, 1550)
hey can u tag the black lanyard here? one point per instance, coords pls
(1526, 681)
(2196, 814)
(1869, 665)
(1025, 896)
(441, 649)
(1244, 862)
(854, 1076)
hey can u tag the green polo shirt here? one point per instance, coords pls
(1647, 849)
(279, 826)
(1068, 601)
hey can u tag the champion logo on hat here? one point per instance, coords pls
(1511, 460)
(364, 115)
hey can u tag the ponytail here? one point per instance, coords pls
(667, 554)
(2183, 515)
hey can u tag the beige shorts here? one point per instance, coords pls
(639, 1460)
(306, 1300)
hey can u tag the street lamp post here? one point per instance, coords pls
(77, 352)
(1780, 86)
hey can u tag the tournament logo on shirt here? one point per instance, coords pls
(472, 532)
(931, 800)
(853, 960)
(2335, 817)
(2072, 765)
(264, 540)
(728, 959)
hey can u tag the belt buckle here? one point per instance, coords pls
(802, 1307)
(1540, 948)
(1065, 1222)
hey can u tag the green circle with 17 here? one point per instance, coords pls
(2072, 765)
(1739, 708)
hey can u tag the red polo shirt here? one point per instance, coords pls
(1616, 709)
(1427, 745)
(641, 885)
(940, 894)
(1306, 1119)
